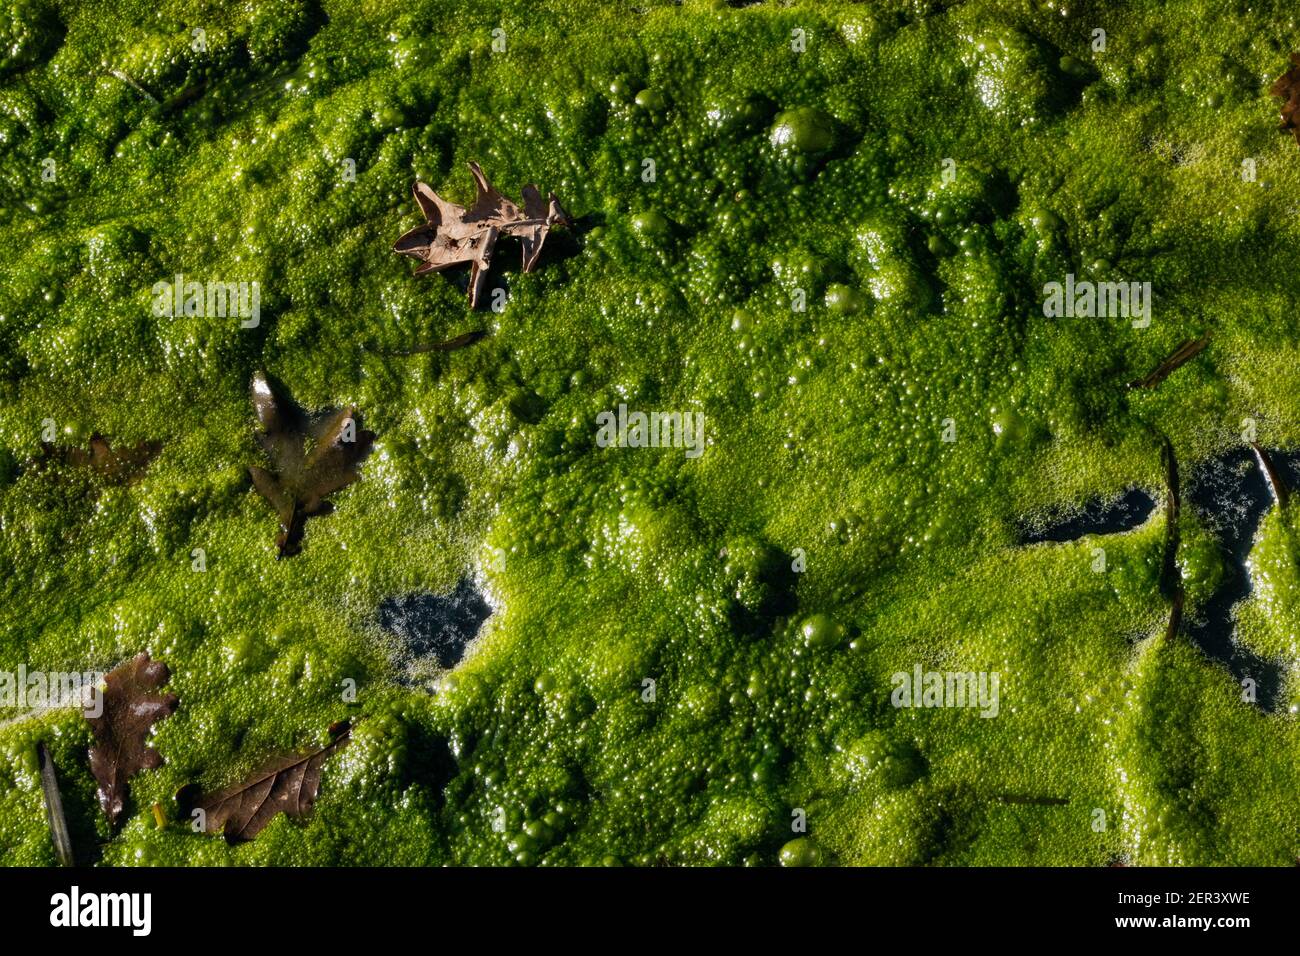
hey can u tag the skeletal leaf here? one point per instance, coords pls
(453, 235)
(132, 704)
(311, 456)
(288, 784)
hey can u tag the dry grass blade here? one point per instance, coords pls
(119, 75)
(54, 807)
(1175, 614)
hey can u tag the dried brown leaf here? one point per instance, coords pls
(131, 706)
(1287, 86)
(286, 785)
(453, 235)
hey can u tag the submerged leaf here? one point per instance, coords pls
(117, 465)
(131, 706)
(311, 458)
(288, 784)
(453, 235)
(1287, 86)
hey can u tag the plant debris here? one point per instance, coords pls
(54, 807)
(1275, 482)
(1185, 352)
(1287, 86)
(118, 74)
(1031, 800)
(115, 465)
(131, 706)
(1171, 580)
(453, 235)
(302, 479)
(451, 345)
(288, 784)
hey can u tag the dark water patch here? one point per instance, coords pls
(1099, 515)
(1231, 494)
(436, 627)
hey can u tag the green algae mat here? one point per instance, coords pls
(837, 433)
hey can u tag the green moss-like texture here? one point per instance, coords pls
(827, 538)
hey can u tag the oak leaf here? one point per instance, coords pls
(1287, 86)
(311, 456)
(453, 235)
(131, 705)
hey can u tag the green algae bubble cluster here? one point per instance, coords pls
(833, 249)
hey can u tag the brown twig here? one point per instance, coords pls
(451, 345)
(1275, 481)
(1185, 352)
(1171, 581)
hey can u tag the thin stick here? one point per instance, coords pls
(451, 345)
(1176, 614)
(1274, 479)
(1170, 577)
(135, 86)
(1185, 352)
